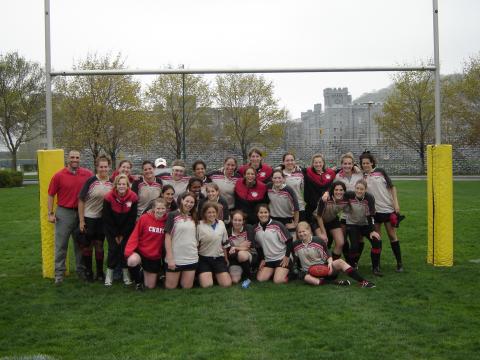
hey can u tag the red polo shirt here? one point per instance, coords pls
(67, 185)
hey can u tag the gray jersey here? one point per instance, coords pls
(272, 240)
(283, 202)
(184, 241)
(314, 252)
(212, 239)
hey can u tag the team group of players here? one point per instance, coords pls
(227, 226)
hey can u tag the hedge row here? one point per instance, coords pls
(9, 178)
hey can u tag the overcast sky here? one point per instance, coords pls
(251, 33)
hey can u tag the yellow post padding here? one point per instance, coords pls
(440, 207)
(430, 204)
(49, 162)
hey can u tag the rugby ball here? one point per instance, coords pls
(319, 270)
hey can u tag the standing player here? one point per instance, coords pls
(144, 248)
(317, 180)
(66, 185)
(386, 202)
(250, 192)
(226, 178)
(274, 245)
(263, 171)
(90, 206)
(125, 167)
(328, 213)
(283, 201)
(347, 174)
(199, 170)
(294, 178)
(147, 188)
(119, 214)
(311, 251)
(181, 246)
(213, 195)
(360, 221)
(177, 179)
(212, 238)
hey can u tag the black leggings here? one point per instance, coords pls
(116, 252)
(355, 234)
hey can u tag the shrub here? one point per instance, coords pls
(10, 178)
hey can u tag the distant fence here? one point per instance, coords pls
(396, 161)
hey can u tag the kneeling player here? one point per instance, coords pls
(310, 252)
(145, 245)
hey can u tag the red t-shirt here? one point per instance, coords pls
(67, 186)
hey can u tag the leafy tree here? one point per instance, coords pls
(22, 102)
(463, 106)
(102, 113)
(169, 97)
(409, 113)
(250, 109)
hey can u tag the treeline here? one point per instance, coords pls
(115, 113)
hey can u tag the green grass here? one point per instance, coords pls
(423, 313)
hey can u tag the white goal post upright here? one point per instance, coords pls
(436, 187)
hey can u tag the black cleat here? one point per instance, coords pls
(342, 283)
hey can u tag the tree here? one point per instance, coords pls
(167, 104)
(22, 102)
(249, 108)
(463, 107)
(409, 113)
(102, 113)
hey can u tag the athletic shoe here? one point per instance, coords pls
(366, 284)
(399, 268)
(376, 271)
(139, 287)
(109, 277)
(342, 283)
(126, 277)
(246, 283)
(58, 280)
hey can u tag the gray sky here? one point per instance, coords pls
(251, 33)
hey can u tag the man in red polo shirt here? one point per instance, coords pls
(66, 185)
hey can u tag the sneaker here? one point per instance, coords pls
(342, 283)
(366, 284)
(399, 268)
(109, 278)
(58, 280)
(126, 277)
(246, 283)
(376, 271)
(139, 287)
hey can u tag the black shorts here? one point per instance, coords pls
(276, 263)
(212, 264)
(151, 265)
(359, 230)
(179, 268)
(381, 217)
(94, 229)
(334, 224)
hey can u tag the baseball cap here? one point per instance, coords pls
(160, 161)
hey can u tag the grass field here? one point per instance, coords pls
(423, 313)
